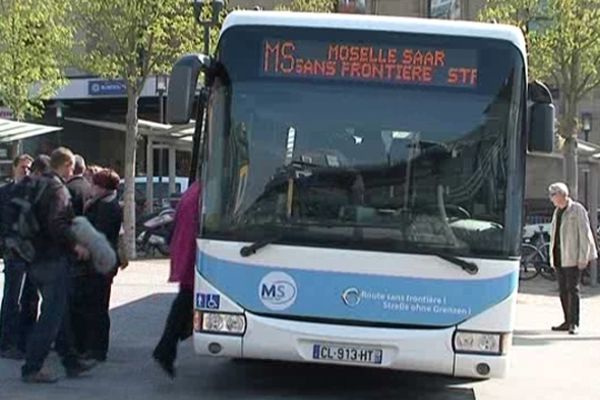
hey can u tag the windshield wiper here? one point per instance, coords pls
(467, 266)
(251, 249)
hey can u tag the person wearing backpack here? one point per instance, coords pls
(52, 242)
(14, 270)
(14, 215)
(30, 300)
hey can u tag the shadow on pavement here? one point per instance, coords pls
(249, 379)
(263, 379)
(543, 338)
(539, 286)
(530, 332)
(130, 373)
(544, 287)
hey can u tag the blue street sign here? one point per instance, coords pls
(106, 87)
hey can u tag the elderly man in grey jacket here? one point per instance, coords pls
(572, 248)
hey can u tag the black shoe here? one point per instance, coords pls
(40, 377)
(73, 371)
(561, 328)
(167, 366)
(573, 330)
(12, 354)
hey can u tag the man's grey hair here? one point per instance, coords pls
(79, 167)
(558, 188)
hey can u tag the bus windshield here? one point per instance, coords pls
(396, 143)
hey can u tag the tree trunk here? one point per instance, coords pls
(571, 171)
(569, 128)
(17, 148)
(592, 207)
(129, 194)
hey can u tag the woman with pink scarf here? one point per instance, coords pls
(183, 258)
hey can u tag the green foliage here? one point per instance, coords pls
(563, 39)
(207, 12)
(524, 14)
(134, 39)
(309, 6)
(34, 42)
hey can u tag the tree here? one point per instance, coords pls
(33, 43)
(215, 30)
(563, 38)
(309, 6)
(133, 40)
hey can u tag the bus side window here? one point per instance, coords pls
(216, 146)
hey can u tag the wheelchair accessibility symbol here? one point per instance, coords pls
(208, 301)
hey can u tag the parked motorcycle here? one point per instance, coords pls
(153, 232)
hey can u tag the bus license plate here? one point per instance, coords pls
(347, 354)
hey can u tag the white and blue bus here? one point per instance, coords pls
(363, 183)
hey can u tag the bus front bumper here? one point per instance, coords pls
(423, 350)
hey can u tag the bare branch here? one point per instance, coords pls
(591, 86)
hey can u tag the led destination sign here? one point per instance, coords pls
(370, 63)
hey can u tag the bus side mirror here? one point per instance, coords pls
(182, 87)
(541, 118)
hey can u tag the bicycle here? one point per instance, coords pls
(531, 258)
(542, 240)
(535, 257)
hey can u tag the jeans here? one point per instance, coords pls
(14, 272)
(178, 326)
(50, 277)
(66, 340)
(30, 300)
(568, 284)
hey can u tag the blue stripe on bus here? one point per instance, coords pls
(359, 297)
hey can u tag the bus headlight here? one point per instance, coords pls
(226, 323)
(481, 343)
(235, 323)
(213, 322)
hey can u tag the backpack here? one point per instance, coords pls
(20, 220)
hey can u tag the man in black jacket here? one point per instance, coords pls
(14, 270)
(29, 295)
(79, 187)
(49, 269)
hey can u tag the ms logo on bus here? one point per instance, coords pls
(277, 291)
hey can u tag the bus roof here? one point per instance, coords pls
(377, 23)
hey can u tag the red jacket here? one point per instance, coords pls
(183, 240)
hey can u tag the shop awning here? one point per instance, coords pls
(160, 136)
(588, 149)
(14, 130)
(179, 136)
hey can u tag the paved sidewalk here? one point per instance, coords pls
(547, 365)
